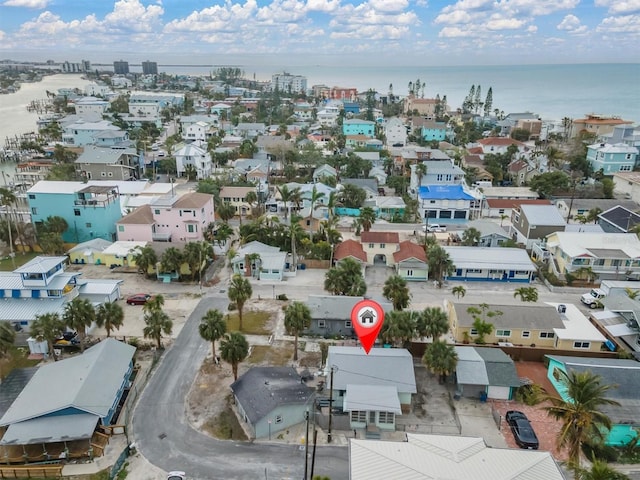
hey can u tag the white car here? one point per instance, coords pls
(177, 476)
(434, 228)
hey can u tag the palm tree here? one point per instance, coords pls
(580, 410)
(432, 323)
(399, 328)
(459, 291)
(421, 171)
(251, 198)
(212, 327)
(234, 349)
(7, 337)
(503, 217)
(239, 292)
(56, 224)
(172, 260)
(190, 172)
(600, 470)
(440, 264)
(7, 198)
(47, 328)
(154, 304)
(157, 322)
(297, 318)
(145, 258)
(367, 218)
(526, 294)
(225, 211)
(332, 202)
(285, 196)
(79, 314)
(471, 237)
(441, 359)
(480, 315)
(396, 291)
(110, 316)
(195, 253)
(631, 293)
(315, 196)
(345, 279)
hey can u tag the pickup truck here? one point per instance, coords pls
(434, 228)
(593, 298)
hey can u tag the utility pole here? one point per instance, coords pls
(330, 405)
(306, 446)
(313, 455)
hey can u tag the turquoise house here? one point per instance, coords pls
(623, 375)
(612, 158)
(359, 127)
(434, 131)
(91, 211)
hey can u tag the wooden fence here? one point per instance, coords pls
(31, 471)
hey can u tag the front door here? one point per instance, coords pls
(372, 418)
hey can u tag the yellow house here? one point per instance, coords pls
(380, 247)
(550, 325)
(604, 253)
(236, 196)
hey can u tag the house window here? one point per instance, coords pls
(121, 228)
(34, 210)
(191, 228)
(76, 212)
(547, 335)
(625, 168)
(386, 417)
(473, 331)
(516, 218)
(347, 324)
(88, 225)
(278, 418)
(382, 245)
(322, 324)
(526, 334)
(503, 333)
(371, 245)
(501, 211)
(32, 196)
(358, 416)
(409, 273)
(156, 211)
(581, 345)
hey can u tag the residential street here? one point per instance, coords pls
(163, 435)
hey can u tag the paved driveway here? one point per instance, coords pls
(164, 436)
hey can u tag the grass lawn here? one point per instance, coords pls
(6, 265)
(254, 323)
(278, 355)
(15, 359)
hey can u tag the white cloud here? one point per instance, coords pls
(35, 4)
(536, 7)
(326, 6)
(622, 24)
(497, 22)
(532, 29)
(569, 22)
(389, 5)
(453, 18)
(2, 35)
(619, 6)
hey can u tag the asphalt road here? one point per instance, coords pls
(164, 436)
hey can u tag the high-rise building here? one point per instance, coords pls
(86, 65)
(120, 67)
(149, 68)
(71, 67)
(285, 82)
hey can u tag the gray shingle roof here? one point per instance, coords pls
(330, 307)
(262, 389)
(515, 316)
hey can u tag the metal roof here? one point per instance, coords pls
(26, 309)
(542, 215)
(10, 281)
(424, 457)
(40, 264)
(99, 287)
(576, 326)
(91, 383)
(444, 192)
(491, 258)
(261, 389)
(62, 428)
(382, 366)
(377, 398)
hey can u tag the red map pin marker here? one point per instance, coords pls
(367, 317)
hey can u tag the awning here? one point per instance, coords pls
(378, 398)
(62, 428)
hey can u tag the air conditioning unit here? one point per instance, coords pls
(562, 308)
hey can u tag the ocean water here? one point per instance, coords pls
(551, 91)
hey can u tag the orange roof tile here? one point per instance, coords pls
(140, 216)
(500, 141)
(350, 248)
(408, 250)
(514, 203)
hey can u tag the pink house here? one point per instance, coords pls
(174, 219)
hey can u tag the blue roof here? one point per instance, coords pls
(443, 192)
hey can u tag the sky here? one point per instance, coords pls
(403, 32)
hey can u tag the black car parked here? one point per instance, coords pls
(522, 430)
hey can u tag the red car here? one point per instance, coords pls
(139, 299)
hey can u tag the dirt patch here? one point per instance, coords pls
(278, 354)
(254, 322)
(225, 425)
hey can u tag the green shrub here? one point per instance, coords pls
(570, 278)
(134, 342)
(529, 394)
(282, 297)
(232, 306)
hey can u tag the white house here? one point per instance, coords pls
(91, 107)
(395, 132)
(196, 156)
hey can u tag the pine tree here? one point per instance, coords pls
(488, 102)
(477, 101)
